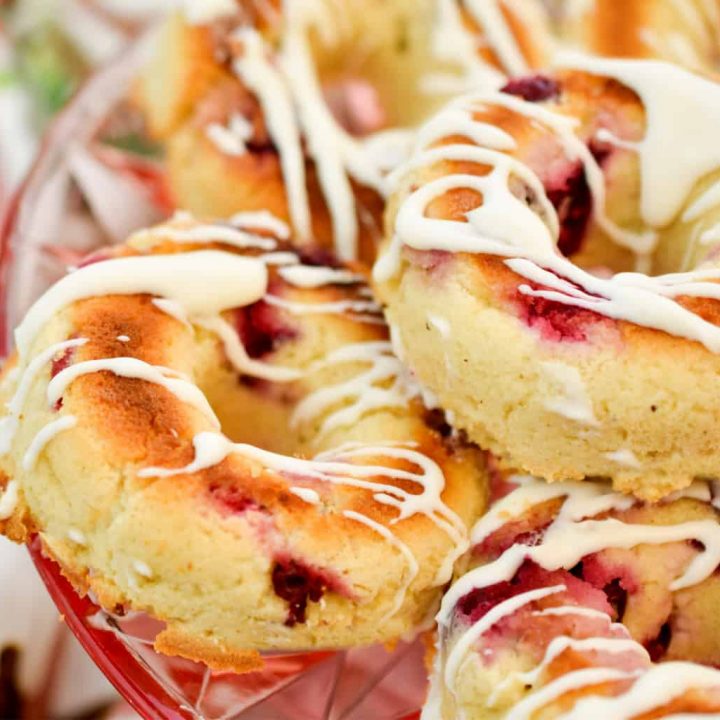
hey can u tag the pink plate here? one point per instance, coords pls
(80, 196)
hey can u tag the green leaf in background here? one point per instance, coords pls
(135, 143)
(51, 67)
(7, 78)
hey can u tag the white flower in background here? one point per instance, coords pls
(44, 665)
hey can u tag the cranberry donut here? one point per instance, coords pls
(586, 604)
(207, 427)
(300, 109)
(511, 236)
(685, 32)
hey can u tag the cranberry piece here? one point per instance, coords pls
(318, 257)
(573, 202)
(261, 329)
(297, 583)
(617, 596)
(530, 576)
(500, 482)
(554, 320)
(60, 363)
(436, 420)
(528, 530)
(233, 499)
(657, 648)
(534, 88)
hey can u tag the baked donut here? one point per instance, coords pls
(207, 427)
(583, 604)
(686, 32)
(300, 108)
(505, 273)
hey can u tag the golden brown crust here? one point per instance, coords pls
(200, 550)
(679, 32)
(648, 424)
(172, 642)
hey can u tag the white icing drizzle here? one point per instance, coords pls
(74, 535)
(203, 12)
(657, 687)
(203, 282)
(271, 89)
(574, 610)
(327, 143)
(690, 11)
(174, 309)
(461, 648)
(453, 43)
(308, 276)
(672, 46)
(624, 457)
(711, 235)
(337, 155)
(279, 258)
(412, 563)
(241, 361)
(10, 378)
(499, 36)
(9, 500)
(707, 201)
(572, 535)
(527, 707)
(143, 569)
(573, 402)
(369, 390)
(26, 378)
(261, 220)
(344, 466)
(230, 139)
(388, 149)
(432, 709)
(196, 287)
(306, 494)
(44, 436)
(506, 227)
(663, 87)
(123, 338)
(557, 647)
(204, 234)
(130, 367)
(361, 308)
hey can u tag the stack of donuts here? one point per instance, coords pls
(432, 345)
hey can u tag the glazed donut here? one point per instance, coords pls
(301, 109)
(508, 234)
(576, 596)
(204, 426)
(686, 32)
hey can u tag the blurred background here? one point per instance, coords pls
(47, 49)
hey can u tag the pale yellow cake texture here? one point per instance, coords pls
(690, 616)
(680, 32)
(649, 398)
(165, 547)
(386, 46)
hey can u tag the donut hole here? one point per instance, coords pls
(377, 66)
(257, 409)
(694, 236)
(251, 410)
